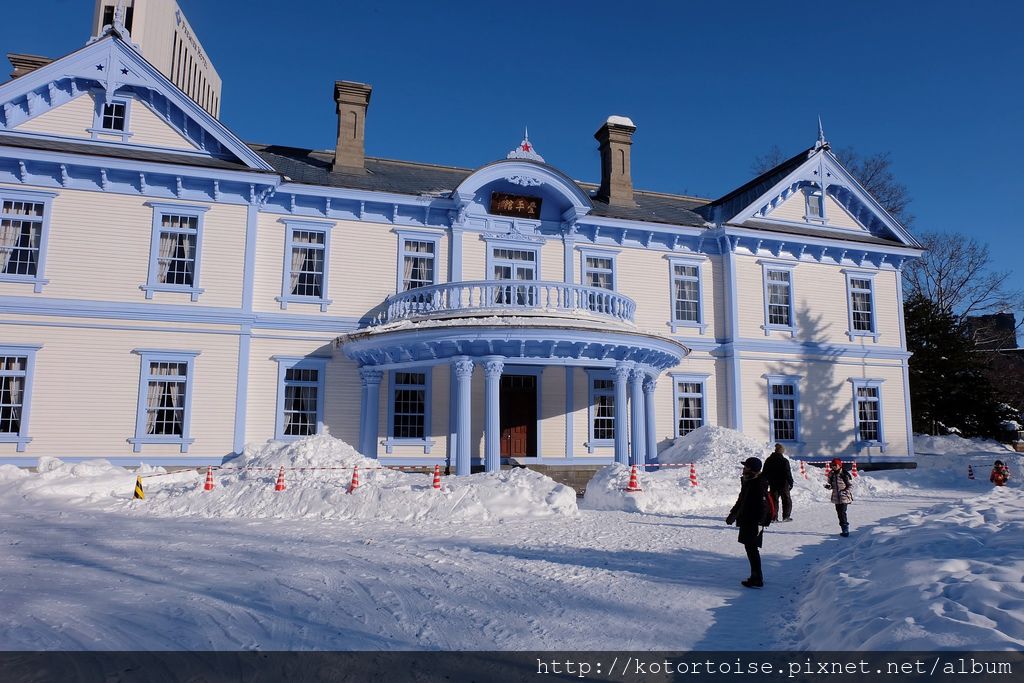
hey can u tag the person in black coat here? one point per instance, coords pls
(748, 513)
(780, 480)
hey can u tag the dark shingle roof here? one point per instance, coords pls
(740, 198)
(403, 177)
(113, 152)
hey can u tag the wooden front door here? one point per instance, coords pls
(518, 416)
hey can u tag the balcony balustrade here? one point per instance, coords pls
(507, 297)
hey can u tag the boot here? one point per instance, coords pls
(845, 531)
(753, 583)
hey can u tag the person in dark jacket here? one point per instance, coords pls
(748, 513)
(841, 485)
(780, 480)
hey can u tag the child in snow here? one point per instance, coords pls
(748, 514)
(841, 485)
(1000, 473)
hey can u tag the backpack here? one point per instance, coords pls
(768, 506)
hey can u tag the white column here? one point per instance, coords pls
(493, 365)
(621, 423)
(463, 367)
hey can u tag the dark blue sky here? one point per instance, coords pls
(710, 85)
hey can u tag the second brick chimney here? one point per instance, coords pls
(353, 100)
(615, 138)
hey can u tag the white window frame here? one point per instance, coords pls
(585, 270)
(866, 383)
(153, 285)
(284, 364)
(811, 193)
(98, 129)
(425, 441)
(417, 236)
(694, 262)
(21, 438)
(850, 289)
(592, 394)
(291, 226)
(677, 393)
(779, 267)
(784, 380)
(30, 197)
(148, 357)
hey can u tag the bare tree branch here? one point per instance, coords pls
(955, 274)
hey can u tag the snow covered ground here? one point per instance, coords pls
(507, 561)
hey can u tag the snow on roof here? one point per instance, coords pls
(621, 121)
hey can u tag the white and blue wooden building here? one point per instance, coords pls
(169, 293)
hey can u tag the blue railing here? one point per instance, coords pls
(507, 297)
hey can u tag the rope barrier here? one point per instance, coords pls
(232, 470)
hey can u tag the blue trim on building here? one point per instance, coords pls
(599, 252)
(698, 262)
(496, 242)
(148, 356)
(417, 236)
(291, 225)
(784, 380)
(768, 267)
(242, 389)
(99, 103)
(866, 383)
(285, 363)
(390, 440)
(694, 378)
(592, 394)
(161, 209)
(36, 197)
(870, 277)
(28, 351)
(570, 373)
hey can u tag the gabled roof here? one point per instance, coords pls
(742, 196)
(312, 167)
(110, 65)
(753, 204)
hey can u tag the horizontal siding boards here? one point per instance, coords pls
(552, 261)
(474, 257)
(793, 209)
(71, 119)
(643, 276)
(86, 387)
(839, 217)
(88, 228)
(826, 404)
(552, 413)
(149, 129)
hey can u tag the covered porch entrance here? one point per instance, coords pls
(518, 399)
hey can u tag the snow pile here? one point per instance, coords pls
(716, 453)
(242, 490)
(957, 445)
(941, 578)
(84, 482)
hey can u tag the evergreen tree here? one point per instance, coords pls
(949, 387)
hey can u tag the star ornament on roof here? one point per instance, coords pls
(525, 150)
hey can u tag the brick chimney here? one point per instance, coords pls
(353, 99)
(615, 138)
(24, 64)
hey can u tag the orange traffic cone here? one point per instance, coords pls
(970, 471)
(828, 469)
(208, 486)
(279, 486)
(693, 475)
(355, 480)
(437, 477)
(853, 470)
(633, 484)
(803, 470)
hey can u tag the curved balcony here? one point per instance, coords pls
(507, 297)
